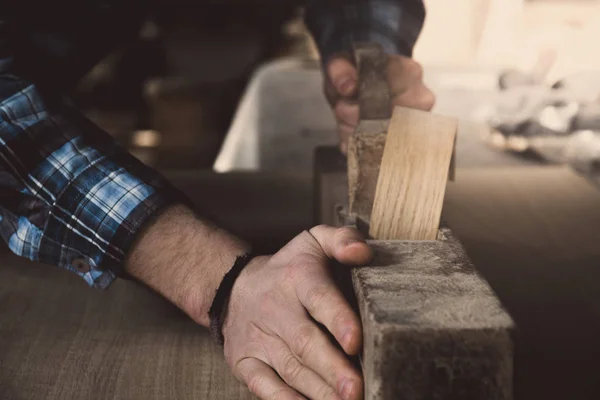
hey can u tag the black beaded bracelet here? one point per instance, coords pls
(217, 308)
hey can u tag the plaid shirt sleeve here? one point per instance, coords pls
(337, 24)
(70, 196)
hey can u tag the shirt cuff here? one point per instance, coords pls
(97, 218)
(71, 196)
(394, 25)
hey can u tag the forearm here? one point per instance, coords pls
(72, 197)
(184, 258)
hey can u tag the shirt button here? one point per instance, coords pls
(80, 265)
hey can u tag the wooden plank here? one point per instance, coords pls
(365, 149)
(59, 339)
(533, 234)
(432, 326)
(413, 175)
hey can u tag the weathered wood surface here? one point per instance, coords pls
(413, 175)
(60, 339)
(365, 150)
(533, 233)
(433, 328)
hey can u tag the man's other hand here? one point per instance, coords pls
(405, 79)
(272, 342)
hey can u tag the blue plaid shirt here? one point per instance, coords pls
(70, 196)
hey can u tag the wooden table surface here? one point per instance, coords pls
(59, 339)
(534, 233)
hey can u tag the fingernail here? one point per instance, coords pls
(347, 338)
(346, 389)
(345, 85)
(350, 242)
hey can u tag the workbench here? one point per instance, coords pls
(532, 231)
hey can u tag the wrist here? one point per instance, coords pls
(240, 292)
(184, 258)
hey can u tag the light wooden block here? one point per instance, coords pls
(412, 176)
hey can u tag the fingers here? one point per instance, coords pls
(326, 304)
(345, 245)
(403, 72)
(319, 295)
(346, 115)
(417, 97)
(341, 86)
(344, 132)
(405, 78)
(343, 76)
(297, 375)
(264, 382)
(314, 350)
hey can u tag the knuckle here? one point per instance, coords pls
(414, 69)
(266, 305)
(302, 342)
(316, 296)
(346, 231)
(297, 270)
(294, 270)
(264, 302)
(340, 318)
(279, 394)
(291, 369)
(426, 100)
(326, 392)
(318, 228)
(254, 382)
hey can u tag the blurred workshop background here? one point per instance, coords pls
(172, 94)
(214, 86)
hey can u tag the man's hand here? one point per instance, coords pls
(405, 79)
(269, 328)
(272, 342)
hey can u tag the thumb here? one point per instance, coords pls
(346, 245)
(343, 76)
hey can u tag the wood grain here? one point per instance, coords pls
(365, 149)
(533, 233)
(413, 175)
(60, 339)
